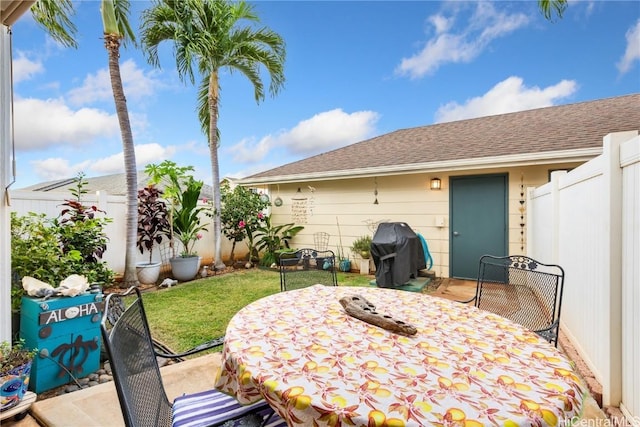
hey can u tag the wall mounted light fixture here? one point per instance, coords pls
(436, 184)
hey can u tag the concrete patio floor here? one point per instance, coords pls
(98, 406)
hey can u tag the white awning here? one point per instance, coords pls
(11, 10)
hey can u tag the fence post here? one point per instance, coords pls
(612, 221)
(555, 215)
(101, 200)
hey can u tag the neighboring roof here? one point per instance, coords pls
(111, 184)
(562, 133)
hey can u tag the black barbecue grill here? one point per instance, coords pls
(397, 254)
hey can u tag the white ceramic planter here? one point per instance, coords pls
(148, 273)
(185, 268)
(364, 266)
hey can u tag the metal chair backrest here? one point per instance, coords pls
(523, 290)
(135, 370)
(307, 267)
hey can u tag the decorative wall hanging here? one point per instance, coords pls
(522, 210)
(278, 201)
(299, 210)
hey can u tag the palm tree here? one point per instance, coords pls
(117, 30)
(53, 16)
(210, 33)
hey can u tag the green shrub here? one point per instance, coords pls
(273, 238)
(51, 250)
(362, 246)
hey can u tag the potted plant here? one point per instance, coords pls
(362, 248)
(272, 239)
(15, 370)
(182, 191)
(153, 226)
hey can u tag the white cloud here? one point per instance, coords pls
(24, 68)
(57, 168)
(485, 25)
(440, 23)
(145, 154)
(507, 96)
(250, 151)
(42, 123)
(328, 130)
(324, 131)
(97, 87)
(632, 53)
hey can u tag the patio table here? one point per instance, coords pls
(316, 365)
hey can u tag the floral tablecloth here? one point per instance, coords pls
(316, 365)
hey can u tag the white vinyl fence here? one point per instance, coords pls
(23, 202)
(588, 221)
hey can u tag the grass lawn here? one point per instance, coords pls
(194, 312)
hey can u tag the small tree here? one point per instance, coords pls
(240, 215)
(153, 223)
(182, 191)
(79, 227)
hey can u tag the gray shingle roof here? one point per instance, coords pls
(565, 127)
(114, 184)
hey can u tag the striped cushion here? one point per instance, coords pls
(212, 407)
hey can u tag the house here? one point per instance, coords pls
(10, 12)
(462, 185)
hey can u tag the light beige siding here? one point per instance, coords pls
(321, 205)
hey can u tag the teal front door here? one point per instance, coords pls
(478, 222)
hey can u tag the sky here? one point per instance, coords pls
(354, 70)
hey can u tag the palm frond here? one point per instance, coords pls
(549, 8)
(121, 9)
(54, 16)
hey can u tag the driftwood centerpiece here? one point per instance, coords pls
(358, 307)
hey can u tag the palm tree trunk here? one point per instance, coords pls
(215, 167)
(112, 43)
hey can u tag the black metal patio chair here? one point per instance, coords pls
(523, 290)
(307, 267)
(136, 374)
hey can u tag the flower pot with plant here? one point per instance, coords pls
(274, 238)
(182, 191)
(362, 248)
(15, 370)
(153, 226)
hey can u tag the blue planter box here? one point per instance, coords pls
(66, 332)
